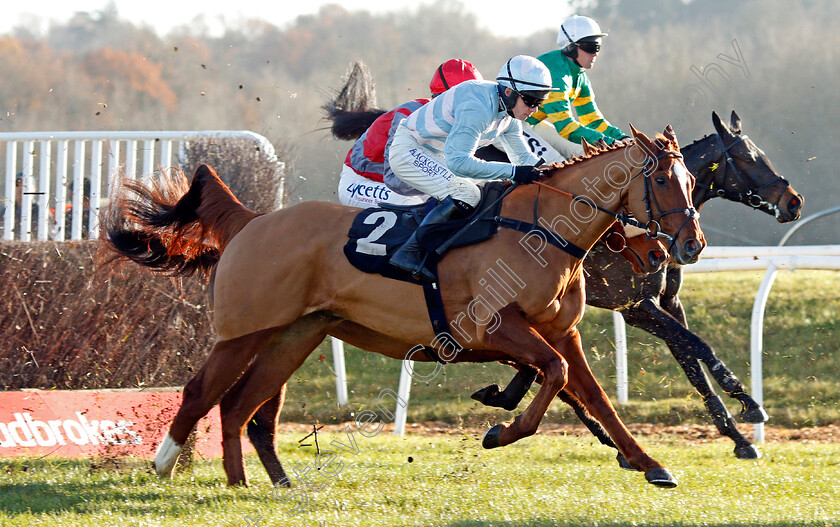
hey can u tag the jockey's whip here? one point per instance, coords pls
(452, 239)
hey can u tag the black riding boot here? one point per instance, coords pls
(411, 257)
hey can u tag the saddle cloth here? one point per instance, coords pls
(378, 232)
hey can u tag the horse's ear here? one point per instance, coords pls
(735, 123)
(722, 130)
(670, 135)
(642, 140)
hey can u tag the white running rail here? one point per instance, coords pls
(43, 168)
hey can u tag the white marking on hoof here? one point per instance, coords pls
(167, 456)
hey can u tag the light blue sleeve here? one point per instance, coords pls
(472, 116)
(514, 144)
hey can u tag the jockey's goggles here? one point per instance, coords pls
(533, 99)
(589, 46)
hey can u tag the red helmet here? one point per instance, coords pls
(451, 73)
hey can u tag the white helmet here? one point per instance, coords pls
(524, 73)
(575, 28)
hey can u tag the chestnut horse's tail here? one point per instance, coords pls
(353, 109)
(171, 227)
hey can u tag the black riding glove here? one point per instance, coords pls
(524, 174)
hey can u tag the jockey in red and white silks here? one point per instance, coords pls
(366, 178)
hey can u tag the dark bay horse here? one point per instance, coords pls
(281, 284)
(726, 164)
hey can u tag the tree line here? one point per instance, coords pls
(663, 62)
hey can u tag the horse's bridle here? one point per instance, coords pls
(750, 196)
(691, 212)
(652, 226)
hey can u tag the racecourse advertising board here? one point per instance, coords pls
(95, 423)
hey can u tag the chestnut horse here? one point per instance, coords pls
(281, 284)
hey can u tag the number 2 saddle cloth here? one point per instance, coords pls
(378, 232)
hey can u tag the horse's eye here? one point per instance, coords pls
(661, 180)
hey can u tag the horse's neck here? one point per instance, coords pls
(576, 221)
(700, 158)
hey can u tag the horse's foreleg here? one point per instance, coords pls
(689, 350)
(225, 364)
(584, 385)
(524, 345)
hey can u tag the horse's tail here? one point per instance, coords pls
(173, 228)
(353, 109)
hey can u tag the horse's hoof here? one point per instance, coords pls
(485, 394)
(747, 452)
(661, 478)
(623, 463)
(754, 415)
(492, 437)
(167, 456)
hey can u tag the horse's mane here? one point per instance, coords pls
(590, 151)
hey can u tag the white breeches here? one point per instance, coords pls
(427, 172)
(358, 191)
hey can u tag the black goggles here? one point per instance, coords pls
(589, 47)
(531, 101)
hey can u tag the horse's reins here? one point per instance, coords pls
(750, 198)
(652, 226)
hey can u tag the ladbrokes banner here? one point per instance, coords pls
(95, 423)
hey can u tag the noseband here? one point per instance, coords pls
(652, 225)
(750, 196)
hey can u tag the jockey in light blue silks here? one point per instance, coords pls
(433, 150)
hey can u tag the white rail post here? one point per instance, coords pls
(131, 159)
(26, 192)
(11, 193)
(757, 343)
(77, 200)
(340, 371)
(44, 190)
(61, 190)
(620, 357)
(113, 164)
(401, 413)
(95, 189)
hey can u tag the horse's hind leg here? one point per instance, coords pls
(264, 380)
(225, 364)
(262, 428)
(512, 395)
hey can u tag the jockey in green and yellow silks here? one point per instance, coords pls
(579, 40)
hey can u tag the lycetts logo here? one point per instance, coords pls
(27, 432)
(377, 192)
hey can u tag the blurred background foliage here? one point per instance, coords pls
(770, 60)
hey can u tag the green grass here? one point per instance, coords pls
(801, 351)
(451, 481)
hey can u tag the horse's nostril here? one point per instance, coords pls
(691, 247)
(656, 257)
(794, 204)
